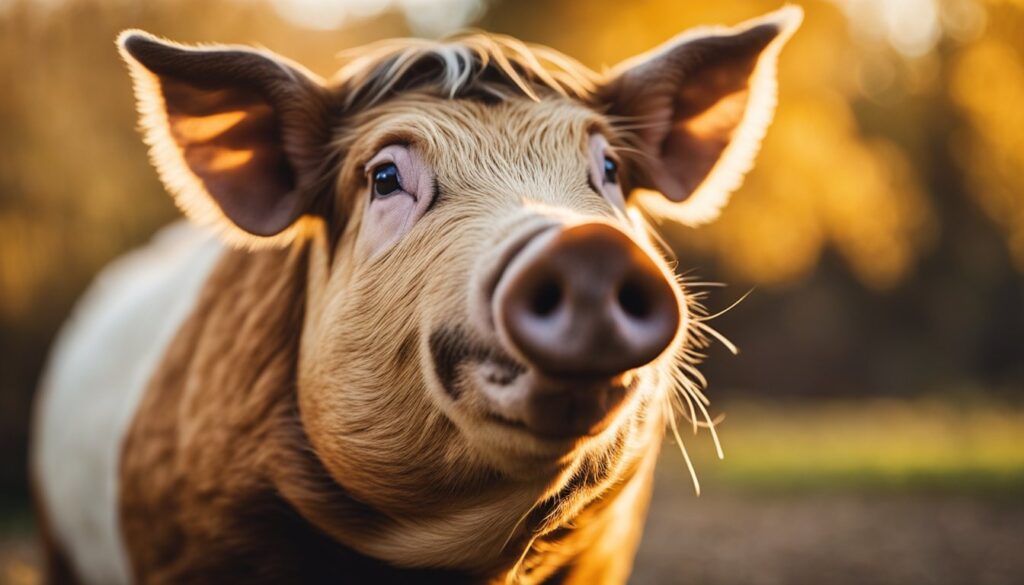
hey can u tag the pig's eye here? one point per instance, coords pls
(611, 171)
(604, 171)
(385, 180)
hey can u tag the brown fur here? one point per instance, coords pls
(218, 449)
(217, 432)
(347, 385)
(285, 395)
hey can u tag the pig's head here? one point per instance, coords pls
(490, 329)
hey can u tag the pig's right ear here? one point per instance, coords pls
(239, 136)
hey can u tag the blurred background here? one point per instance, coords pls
(874, 418)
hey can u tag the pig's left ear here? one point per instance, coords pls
(239, 136)
(697, 108)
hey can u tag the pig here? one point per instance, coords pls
(419, 326)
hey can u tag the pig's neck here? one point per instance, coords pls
(219, 482)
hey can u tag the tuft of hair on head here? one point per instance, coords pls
(474, 65)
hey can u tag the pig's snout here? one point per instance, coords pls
(585, 301)
(582, 305)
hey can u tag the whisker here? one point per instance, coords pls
(681, 396)
(699, 395)
(718, 336)
(693, 371)
(694, 283)
(682, 449)
(516, 526)
(714, 432)
(729, 308)
(513, 575)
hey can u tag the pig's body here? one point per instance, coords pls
(442, 345)
(104, 358)
(89, 404)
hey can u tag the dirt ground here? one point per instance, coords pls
(816, 539)
(786, 539)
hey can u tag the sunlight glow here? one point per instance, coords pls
(425, 17)
(913, 27)
(205, 128)
(226, 160)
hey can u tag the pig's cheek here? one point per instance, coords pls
(387, 220)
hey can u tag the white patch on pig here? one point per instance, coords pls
(99, 369)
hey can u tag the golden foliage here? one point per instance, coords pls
(76, 189)
(988, 85)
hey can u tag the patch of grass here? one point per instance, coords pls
(893, 445)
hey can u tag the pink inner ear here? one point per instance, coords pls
(709, 108)
(696, 144)
(230, 140)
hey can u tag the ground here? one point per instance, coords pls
(723, 539)
(726, 539)
(855, 493)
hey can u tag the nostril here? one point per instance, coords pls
(546, 297)
(634, 299)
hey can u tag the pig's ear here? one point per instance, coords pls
(239, 136)
(697, 108)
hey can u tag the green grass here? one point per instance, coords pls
(913, 446)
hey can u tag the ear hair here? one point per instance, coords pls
(296, 104)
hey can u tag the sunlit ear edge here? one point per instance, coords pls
(707, 202)
(187, 190)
